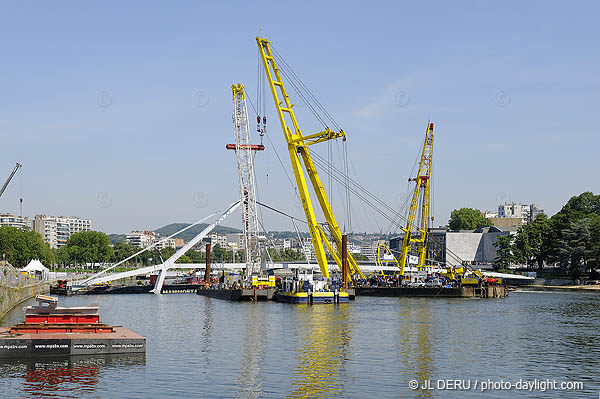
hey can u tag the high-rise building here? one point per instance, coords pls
(56, 230)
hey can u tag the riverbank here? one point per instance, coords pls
(559, 288)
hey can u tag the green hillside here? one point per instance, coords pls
(114, 238)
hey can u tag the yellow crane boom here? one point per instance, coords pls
(417, 233)
(300, 155)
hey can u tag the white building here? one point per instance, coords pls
(63, 231)
(8, 219)
(309, 250)
(56, 230)
(526, 212)
(144, 238)
(141, 239)
(235, 241)
(369, 249)
(216, 238)
(490, 214)
(168, 243)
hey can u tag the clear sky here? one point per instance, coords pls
(120, 111)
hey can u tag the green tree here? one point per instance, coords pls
(505, 252)
(20, 246)
(122, 250)
(576, 247)
(196, 256)
(275, 256)
(87, 247)
(289, 254)
(467, 219)
(218, 254)
(594, 250)
(184, 259)
(573, 239)
(530, 242)
(167, 252)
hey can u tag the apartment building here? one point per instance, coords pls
(140, 239)
(8, 219)
(56, 230)
(145, 238)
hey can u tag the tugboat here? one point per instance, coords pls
(60, 288)
(50, 330)
(303, 288)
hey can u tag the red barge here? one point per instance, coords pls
(50, 330)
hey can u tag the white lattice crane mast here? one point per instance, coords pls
(245, 165)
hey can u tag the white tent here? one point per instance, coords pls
(35, 266)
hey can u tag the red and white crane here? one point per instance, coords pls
(244, 152)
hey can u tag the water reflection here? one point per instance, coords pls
(320, 368)
(64, 377)
(414, 343)
(252, 353)
(207, 330)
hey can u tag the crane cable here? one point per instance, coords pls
(279, 158)
(299, 86)
(322, 116)
(360, 196)
(323, 163)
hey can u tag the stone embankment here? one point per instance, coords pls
(16, 288)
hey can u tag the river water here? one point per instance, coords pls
(199, 347)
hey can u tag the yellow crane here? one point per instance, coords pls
(416, 231)
(300, 156)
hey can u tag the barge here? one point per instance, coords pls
(466, 291)
(303, 288)
(50, 330)
(123, 289)
(261, 288)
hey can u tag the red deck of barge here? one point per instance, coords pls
(51, 331)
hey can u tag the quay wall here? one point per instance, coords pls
(16, 288)
(554, 281)
(11, 296)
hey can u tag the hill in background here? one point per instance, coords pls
(114, 238)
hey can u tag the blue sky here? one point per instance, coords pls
(120, 111)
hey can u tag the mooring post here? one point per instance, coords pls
(345, 260)
(207, 271)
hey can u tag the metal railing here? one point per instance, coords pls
(11, 277)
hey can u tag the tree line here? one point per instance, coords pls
(570, 238)
(19, 246)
